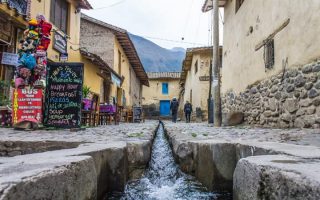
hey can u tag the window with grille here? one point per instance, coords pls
(239, 4)
(196, 67)
(269, 54)
(119, 62)
(165, 88)
(59, 14)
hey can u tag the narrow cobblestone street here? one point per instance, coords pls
(33, 157)
(159, 100)
(203, 131)
(87, 163)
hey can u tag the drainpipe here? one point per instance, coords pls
(215, 63)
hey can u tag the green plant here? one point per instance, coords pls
(205, 134)
(194, 135)
(85, 91)
(3, 97)
(136, 134)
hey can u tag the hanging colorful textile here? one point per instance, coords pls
(33, 53)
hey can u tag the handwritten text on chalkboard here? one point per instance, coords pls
(63, 95)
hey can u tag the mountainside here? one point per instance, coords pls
(157, 59)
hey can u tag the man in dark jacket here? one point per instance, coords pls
(174, 105)
(187, 111)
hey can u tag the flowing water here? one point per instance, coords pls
(163, 180)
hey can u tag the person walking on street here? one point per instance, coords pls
(174, 105)
(188, 111)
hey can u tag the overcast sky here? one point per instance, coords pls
(158, 20)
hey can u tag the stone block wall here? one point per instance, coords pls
(151, 111)
(98, 40)
(289, 99)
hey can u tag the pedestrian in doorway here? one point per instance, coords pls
(174, 105)
(188, 111)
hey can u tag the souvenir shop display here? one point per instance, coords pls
(33, 53)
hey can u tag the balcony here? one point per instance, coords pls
(20, 6)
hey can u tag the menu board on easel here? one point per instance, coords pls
(63, 95)
(137, 113)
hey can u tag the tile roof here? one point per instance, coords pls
(127, 45)
(95, 59)
(208, 5)
(187, 62)
(168, 75)
(85, 4)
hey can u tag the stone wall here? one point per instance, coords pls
(253, 23)
(289, 99)
(98, 40)
(151, 111)
(14, 148)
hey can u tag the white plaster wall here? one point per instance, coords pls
(135, 89)
(153, 94)
(299, 41)
(200, 89)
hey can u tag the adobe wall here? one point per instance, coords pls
(297, 43)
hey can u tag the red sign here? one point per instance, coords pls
(27, 105)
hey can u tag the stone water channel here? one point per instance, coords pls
(164, 180)
(251, 163)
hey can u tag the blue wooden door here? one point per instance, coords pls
(164, 108)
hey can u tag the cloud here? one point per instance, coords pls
(166, 19)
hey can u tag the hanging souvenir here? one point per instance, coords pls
(33, 52)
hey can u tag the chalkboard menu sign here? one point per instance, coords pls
(63, 95)
(137, 113)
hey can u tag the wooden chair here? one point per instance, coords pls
(6, 118)
(106, 117)
(95, 110)
(86, 117)
(129, 117)
(91, 117)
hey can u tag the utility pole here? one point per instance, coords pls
(215, 63)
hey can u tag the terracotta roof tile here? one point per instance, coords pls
(127, 45)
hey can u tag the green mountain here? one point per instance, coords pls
(157, 59)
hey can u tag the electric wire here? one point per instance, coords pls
(209, 28)
(187, 18)
(109, 6)
(197, 27)
(164, 39)
(221, 17)
(174, 41)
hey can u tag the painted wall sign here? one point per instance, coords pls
(204, 78)
(60, 43)
(63, 57)
(9, 59)
(63, 95)
(27, 105)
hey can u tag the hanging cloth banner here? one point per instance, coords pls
(27, 105)
(115, 80)
(9, 59)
